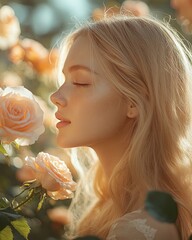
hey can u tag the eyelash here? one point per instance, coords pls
(81, 84)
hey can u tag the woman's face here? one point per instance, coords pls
(90, 111)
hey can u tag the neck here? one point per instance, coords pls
(110, 151)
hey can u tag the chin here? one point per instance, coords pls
(69, 143)
(66, 144)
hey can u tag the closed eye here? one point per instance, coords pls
(81, 84)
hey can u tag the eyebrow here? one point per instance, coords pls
(81, 67)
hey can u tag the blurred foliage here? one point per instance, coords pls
(161, 206)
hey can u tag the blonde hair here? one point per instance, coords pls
(150, 65)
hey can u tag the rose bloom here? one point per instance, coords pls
(16, 53)
(9, 28)
(21, 118)
(35, 54)
(53, 175)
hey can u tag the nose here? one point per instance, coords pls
(58, 99)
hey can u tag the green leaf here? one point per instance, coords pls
(3, 150)
(22, 227)
(161, 206)
(6, 234)
(4, 203)
(10, 214)
(4, 221)
(40, 204)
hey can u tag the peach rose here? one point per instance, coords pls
(53, 175)
(35, 54)
(9, 28)
(21, 118)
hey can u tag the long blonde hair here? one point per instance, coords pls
(150, 65)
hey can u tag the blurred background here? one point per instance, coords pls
(30, 33)
(45, 20)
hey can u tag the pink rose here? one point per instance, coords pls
(21, 118)
(53, 175)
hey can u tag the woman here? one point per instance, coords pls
(127, 95)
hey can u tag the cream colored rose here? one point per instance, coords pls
(53, 175)
(21, 118)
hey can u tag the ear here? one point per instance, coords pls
(132, 111)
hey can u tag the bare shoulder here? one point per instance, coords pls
(139, 225)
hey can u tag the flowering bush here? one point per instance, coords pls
(21, 123)
(27, 50)
(23, 119)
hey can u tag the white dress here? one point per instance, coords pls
(138, 225)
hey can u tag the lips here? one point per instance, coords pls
(63, 121)
(61, 118)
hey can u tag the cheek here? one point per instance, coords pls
(107, 116)
(184, 8)
(188, 13)
(100, 117)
